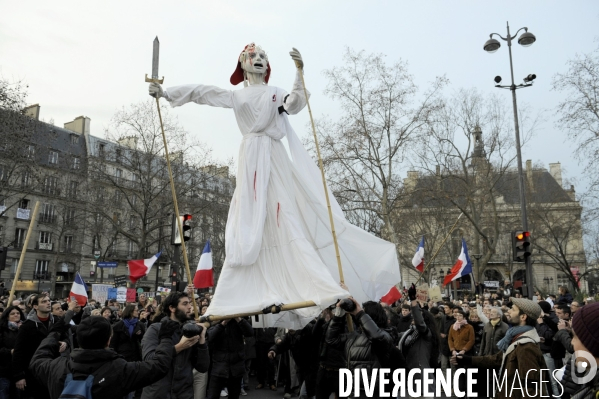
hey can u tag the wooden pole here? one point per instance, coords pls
(23, 251)
(273, 309)
(438, 249)
(350, 324)
(172, 181)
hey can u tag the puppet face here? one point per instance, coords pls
(254, 59)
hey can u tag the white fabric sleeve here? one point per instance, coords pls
(297, 99)
(481, 315)
(200, 94)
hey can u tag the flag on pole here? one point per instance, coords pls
(79, 290)
(462, 267)
(390, 297)
(203, 277)
(141, 267)
(418, 259)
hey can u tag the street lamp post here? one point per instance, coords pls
(492, 45)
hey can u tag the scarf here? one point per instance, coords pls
(510, 335)
(495, 322)
(130, 324)
(408, 338)
(14, 326)
(458, 324)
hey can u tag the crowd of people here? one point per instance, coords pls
(155, 349)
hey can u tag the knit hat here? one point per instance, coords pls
(527, 306)
(545, 306)
(586, 327)
(93, 332)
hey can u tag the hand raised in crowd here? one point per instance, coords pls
(63, 346)
(412, 292)
(73, 304)
(272, 355)
(142, 316)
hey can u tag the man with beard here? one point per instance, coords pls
(519, 356)
(190, 352)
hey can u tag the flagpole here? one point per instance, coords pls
(438, 249)
(23, 251)
(299, 66)
(269, 310)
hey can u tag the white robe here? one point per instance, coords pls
(278, 241)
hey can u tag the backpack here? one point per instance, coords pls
(79, 389)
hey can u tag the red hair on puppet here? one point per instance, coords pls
(238, 75)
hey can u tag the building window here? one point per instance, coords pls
(132, 222)
(76, 163)
(118, 174)
(50, 185)
(133, 200)
(114, 246)
(24, 204)
(118, 155)
(69, 216)
(30, 151)
(48, 214)
(68, 244)
(13, 266)
(74, 139)
(53, 157)
(41, 269)
(118, 196)
(20, 237)
(26, 178)
(101, 150)
(45, 237)
(73, 187)
(132, 248)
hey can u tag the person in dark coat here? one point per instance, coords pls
(564, 297)
(127, 334)
(191, 353)
(114, 377)
(305, 355)
(405, 320)
(31, 334)
(10, 321)
(265, 367)
(227, 347)
(373, 348)
(330, 359)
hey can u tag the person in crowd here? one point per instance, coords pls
(564, 297)
(405, 320)
(373, 346)
(574, 306)
(142, 302)
(330, 359)
(546, 328)
(127, 335)
(443, 333)
(190, 352)
(96, 312)
(113, 376)
(461, 339)
(226, 340)
(478, 327)
(107, 314)
(305, 354)
(265, 367)
(493, 332)
(250, 355)
(35, 328)
(585, 327)
(12, 318)
(519, 352)
(419, 345)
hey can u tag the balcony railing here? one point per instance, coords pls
(44, 275)
(45, 218)
(45, 246)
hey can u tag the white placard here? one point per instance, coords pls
(121, 294)
(100, 292)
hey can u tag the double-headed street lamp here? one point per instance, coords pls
(491, 46)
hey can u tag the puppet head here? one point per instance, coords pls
(253, 59)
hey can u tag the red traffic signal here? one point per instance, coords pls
(521, 246)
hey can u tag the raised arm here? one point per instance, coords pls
(197, 93)
(296, 100)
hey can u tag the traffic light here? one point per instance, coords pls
(186, 227)
(521, 245)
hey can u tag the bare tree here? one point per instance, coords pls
(364, 150)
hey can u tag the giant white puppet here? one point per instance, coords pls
(278, 241)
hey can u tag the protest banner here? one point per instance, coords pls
(422, 293)
(434, 294)
(130, 294)
(121, 294)
(100, 292)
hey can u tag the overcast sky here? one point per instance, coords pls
(89, 58)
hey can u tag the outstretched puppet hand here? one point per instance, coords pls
(297, 57)
(156, 90)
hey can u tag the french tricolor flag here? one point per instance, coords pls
(418, 259)
(79, 290)
(390, 297)
(203, 277)
(140, 268)
(462, 267)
